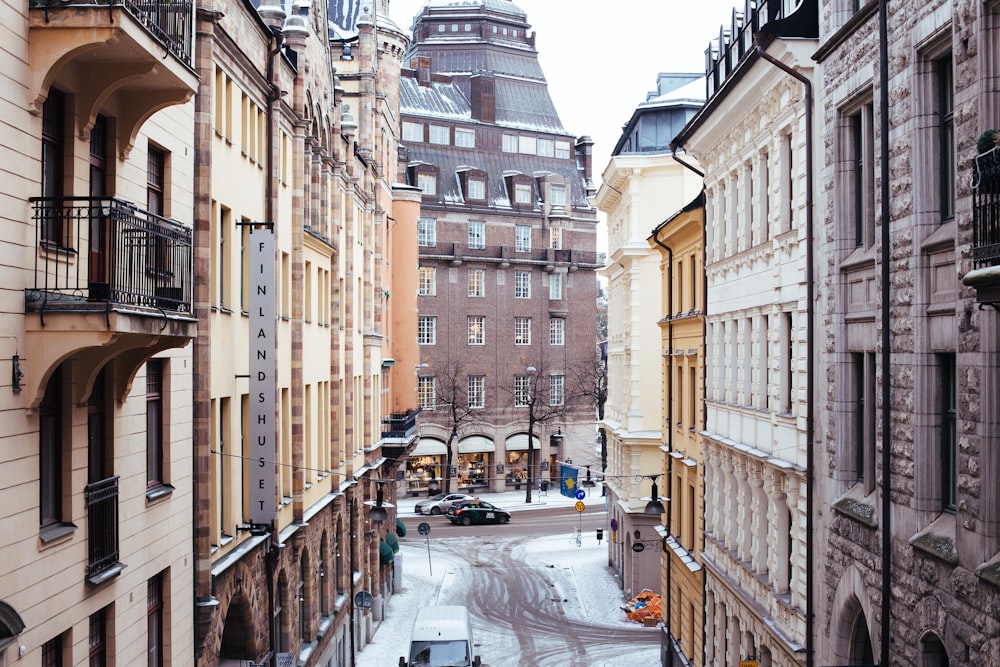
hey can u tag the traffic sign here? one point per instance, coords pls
(580, 506)
(424, 528)
(580, 494)
(363, 600)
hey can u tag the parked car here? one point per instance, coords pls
(440, 503)
(476, 511)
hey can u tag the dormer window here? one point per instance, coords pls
(557, 194)
(522, 193)
(562, 150)
(477, 189)
(440, 135)
(427, 182)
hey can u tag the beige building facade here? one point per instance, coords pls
(96, 328)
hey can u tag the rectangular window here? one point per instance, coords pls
(562, 150)
(477, 330)
(522, 284)
(413, 131)
(427, 183)
(526, 145)
(522, 193)
(465, 138)
(557, 194)
(946, 118)
(52, 652)
(863, 370)
(859, 172)
(555, 286)
(477, 188)
(97, 645)
(427, 232)
(787, 370)
(154, 621)
(154, 422)
(557, 331)
(522, 331)
(522, 238)
(510, 143)
(428, 281)
(522, 391)
(156, 160)
(546, 147)
(427, 392)
(555, 238)
(477, 234)
(50, 439)
(53, 156)
(557, 389)
(477, 282)
(427, 330)
(440, 135)
(477, 391)
(947, 384)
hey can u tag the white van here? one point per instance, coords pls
(441, 637)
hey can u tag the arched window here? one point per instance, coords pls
(933, 653)
(861, 642)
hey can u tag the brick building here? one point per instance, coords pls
(507, 252)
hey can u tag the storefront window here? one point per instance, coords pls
(517, 467)
(424, 473)
(473, 470)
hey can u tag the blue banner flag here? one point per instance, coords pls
(568, 477)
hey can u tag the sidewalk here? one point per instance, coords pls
(513, 501)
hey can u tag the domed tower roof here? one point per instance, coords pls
(506, 6)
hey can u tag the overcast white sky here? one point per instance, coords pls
(601, 57)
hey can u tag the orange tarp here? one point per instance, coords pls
(645, 605)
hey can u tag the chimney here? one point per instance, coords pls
(424, 71)
(483, 97)
(585, 162)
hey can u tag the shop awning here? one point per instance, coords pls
(391, 540)
(430, 447)
(400, 527)
(476, 443)
(520, 442)
(385, 554)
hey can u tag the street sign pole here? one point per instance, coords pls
(425, 529)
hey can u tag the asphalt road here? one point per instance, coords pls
(533, 522)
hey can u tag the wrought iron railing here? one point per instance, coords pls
(986, 209)
(102, 525)
(465, 252)
(400, 424)
(169, 21)
(105, 250)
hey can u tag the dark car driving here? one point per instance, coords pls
(476, 511)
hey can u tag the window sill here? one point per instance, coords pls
(860, 258)
(856, 505)
(158, 491)
(938, 539)
(106, 575)
(56, 531)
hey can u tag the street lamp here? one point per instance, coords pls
(653, 504)
(378, 512)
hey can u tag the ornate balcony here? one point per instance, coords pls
(111, 281)
(133, 56)
(457, 253)
(985, 276)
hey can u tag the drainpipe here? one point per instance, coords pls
(810, 352)
(704, 385)
(277, 39)
(883, 109)
(670, 430)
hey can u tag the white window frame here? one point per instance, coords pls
(427, 329)
(527, 144)
(557, 389)
(522, 391)
(522, 331)
(413, 131)
(522, 193)
(477, 282)
(546, 147)
(427, 285)
(555, 238)
(427, 392)
(557, 331)
(522, 284)
(557, 194)
(427, 232)
(477, 392)
(555, 286)
(439, 135)
(522, 238)
(509, 143)
(477, 188)
(563, 150)
(477, 234)
(477, 330)
(427, 183)
(465, 138)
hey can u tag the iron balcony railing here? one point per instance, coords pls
(169, 21)
(105, 250)
(400, 424)
(986, 209)
(463, 251)
(102, 522)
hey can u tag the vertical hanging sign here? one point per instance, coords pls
(263, 371)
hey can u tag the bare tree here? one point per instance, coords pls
(452, 389)
(590, 383)
(539, 397)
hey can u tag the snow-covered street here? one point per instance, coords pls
(536, 601)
